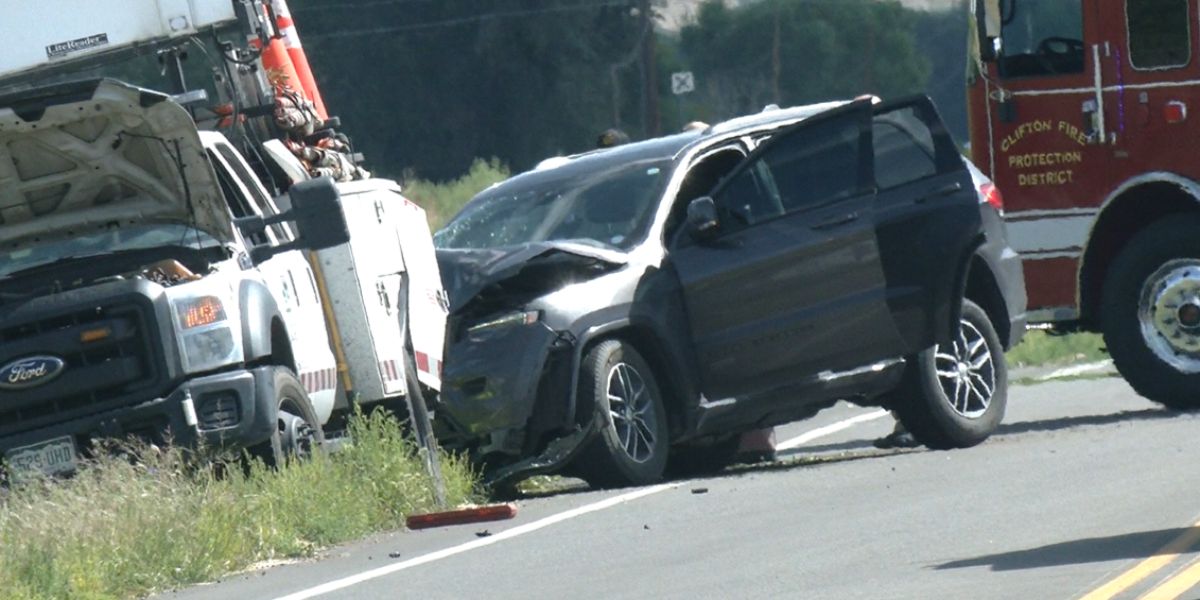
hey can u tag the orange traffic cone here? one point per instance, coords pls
(299, 60)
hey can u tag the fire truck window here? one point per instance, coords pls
(904, 150)
(1158, 33)
(1042, 37)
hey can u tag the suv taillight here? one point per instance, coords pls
(992, 195)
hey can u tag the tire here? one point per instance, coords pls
(692, 461)
(1154, 343)
(954, 396)
(631, 447)
(298, 433)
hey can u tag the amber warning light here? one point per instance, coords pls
(201, 311)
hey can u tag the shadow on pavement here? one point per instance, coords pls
(853, 450)
(1118, 547)
(1007, 429)
(1149, 414)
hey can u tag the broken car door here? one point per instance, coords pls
(790, 283)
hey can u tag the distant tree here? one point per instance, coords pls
(801, 51)
(431, 85)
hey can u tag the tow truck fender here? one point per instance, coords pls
(258, 311)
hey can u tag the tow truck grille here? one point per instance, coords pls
(109, 363)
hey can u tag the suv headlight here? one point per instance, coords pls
(519, 318)
(208, 328)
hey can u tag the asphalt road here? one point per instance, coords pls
(1087, 491)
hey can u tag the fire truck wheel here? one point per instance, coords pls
(298, 432)
(631, 447)
(954, 395)
(1150, 312)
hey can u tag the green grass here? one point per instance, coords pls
(123, 528)
(443, 200)
(1042, 349)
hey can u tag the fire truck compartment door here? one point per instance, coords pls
(927, 219)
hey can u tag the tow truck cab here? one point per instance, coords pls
(150, 286)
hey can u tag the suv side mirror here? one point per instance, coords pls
(317, 213)
(702, 222)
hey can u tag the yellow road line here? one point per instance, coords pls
(1147, 567)
(1177, 584)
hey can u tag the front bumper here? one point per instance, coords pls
(225, 410)
(506, 397)
(490, 380)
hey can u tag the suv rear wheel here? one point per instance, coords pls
(631, 447)
(954, 394)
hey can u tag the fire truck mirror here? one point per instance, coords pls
(987, 28)
(1008, 109)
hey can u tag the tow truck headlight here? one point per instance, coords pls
(209, 331)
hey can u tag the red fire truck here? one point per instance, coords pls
(1079, 110)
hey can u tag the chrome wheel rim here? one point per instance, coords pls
(631, 408)
(967, 371)
(1169, 314)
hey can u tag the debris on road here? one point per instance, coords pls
(463, 516)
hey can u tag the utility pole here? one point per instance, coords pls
(651, 122)
(776, 60)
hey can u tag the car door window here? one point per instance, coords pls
(904, 149)
(812, 165)
(816, 164)
(701, 179)
(234, 197)
(747, 199)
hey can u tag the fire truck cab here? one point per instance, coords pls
(1080, 110)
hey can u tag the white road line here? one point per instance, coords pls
(1084, 369)
(821, 432)
(519, 530)
(346, 582)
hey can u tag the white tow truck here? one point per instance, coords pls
(156, 283)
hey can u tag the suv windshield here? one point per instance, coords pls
(610, 205)
(105, 242)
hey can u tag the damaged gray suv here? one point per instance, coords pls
(618, 309)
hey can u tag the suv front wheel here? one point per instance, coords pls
(631, 447)
(954, 394)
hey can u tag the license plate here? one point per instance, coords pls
(50, 457)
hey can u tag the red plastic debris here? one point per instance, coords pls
(477, 514)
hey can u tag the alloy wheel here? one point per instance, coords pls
(967, 371)
(632, 409)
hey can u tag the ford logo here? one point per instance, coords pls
(30, 372)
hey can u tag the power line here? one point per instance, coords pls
(356, 5)
(470, 20)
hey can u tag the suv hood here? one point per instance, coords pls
(98, 155)
(467, 273)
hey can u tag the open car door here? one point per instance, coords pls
(790, 283)
(927, 219)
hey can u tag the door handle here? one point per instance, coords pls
(945, 190)
(834, 222)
